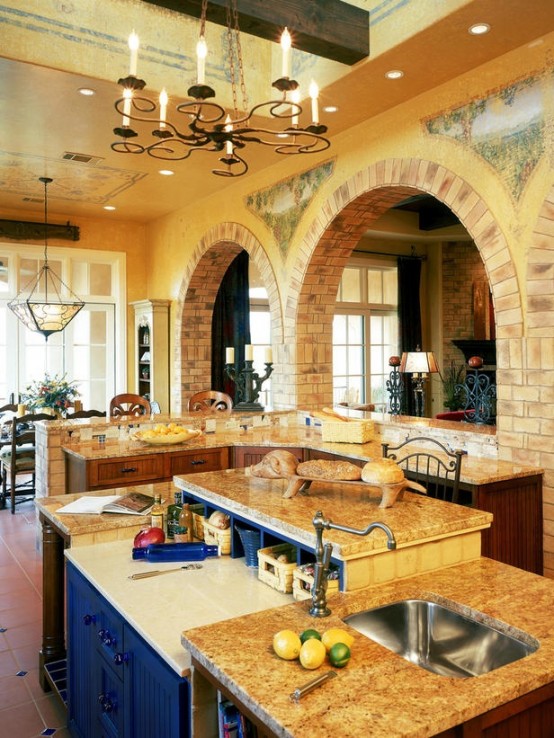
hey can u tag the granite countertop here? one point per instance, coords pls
(379, 693)
(415, 518)
(475, 470)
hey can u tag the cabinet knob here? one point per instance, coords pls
(128, 470)
(196, 462)
(89, 619)
(106, 638)
(121, 658)
(105, 702)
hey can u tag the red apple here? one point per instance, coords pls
(148, 535)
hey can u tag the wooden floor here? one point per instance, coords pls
(25, 710)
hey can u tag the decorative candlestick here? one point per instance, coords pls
(248, 384)
(395, 387)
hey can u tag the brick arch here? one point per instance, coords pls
(199, 286)
(333, 235)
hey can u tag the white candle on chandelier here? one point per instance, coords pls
(285, 45)
(249, 352)
(228, 144)
(314, 92)
(163, 107)
(295, 99)
(133, 45)
(128, 96)
(201, 54)
(229, 355)
(269, 355)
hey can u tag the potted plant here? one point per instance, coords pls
(51, 393)
(453, 376)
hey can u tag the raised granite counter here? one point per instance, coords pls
(378, 693)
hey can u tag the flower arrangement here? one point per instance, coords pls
(51, 392)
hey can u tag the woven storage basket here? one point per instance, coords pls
(250, 540)
(277, 574)
(216, 537)
(302, 582)
(354, 431)
(198, 520)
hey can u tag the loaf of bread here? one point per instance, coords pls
(323, 469)
(382, 471)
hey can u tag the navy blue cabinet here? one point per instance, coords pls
(118, 686)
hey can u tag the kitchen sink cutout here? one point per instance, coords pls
(439, 638)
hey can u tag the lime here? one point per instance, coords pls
(312, 654)
(310, 633)
(286, 644)
(339, 655)
(336, 635)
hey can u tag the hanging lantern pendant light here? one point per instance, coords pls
(46, 305)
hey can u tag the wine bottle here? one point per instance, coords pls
(157, 513)
(173, 512)
(176, 552)
(183, 531)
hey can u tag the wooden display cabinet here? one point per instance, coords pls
(152, 351)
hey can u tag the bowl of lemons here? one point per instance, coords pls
(167, 435)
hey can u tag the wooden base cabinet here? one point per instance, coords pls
(118, 687)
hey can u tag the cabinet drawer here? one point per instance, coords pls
(205, 460)
(130, 470)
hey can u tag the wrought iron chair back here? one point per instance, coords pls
(86, 414)
(431, 464)
(129, 404)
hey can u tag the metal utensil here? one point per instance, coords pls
(299, 692)
(155, 572)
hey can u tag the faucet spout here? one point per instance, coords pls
(319, 608)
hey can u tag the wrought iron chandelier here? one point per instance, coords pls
(40, 305)
(210, 128)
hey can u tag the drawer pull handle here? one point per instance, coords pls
(89, 619)
(105, 702)
(196, 462)
(128, 469)
(106, 638)
(120, 658)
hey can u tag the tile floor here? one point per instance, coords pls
(25, 710)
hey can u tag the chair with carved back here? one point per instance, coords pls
(210, 402)
(18, 458)
(128, 404)
(85, 414)
(429, 463)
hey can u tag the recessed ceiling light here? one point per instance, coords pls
(109, 207)
(86, 91)
(394, 74)
(166, 172)
(478, 29)
(330, 109)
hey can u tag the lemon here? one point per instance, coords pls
(336, 635)
(310, 633)
(286, 644)
(312, 653)
(339, 655)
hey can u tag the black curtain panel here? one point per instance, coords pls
(409, 317)
(230, 322)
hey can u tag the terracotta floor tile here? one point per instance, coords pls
(22, 721)
(25, 635)
(27, 656)
(13, 692)
(8, 664)
(53, 712)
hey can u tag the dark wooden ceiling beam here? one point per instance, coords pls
(328, 28)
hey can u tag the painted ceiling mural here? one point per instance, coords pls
(508, 128)
(281, 205)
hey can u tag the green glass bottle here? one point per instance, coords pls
(173, 512)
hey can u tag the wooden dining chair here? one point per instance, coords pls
(210, 402)
(129, 404)
(86, 414)
(18, 458)
(429, 463)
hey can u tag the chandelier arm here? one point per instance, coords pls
(306, 142)
(231, 161)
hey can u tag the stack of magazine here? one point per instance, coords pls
(132, 503)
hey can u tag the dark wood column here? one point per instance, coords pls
(53, 599)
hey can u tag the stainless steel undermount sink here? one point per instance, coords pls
(439, 638)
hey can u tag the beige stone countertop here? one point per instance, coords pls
(88, 529)
(475, 471)
(159, 608)
(261, 501)
(379, 693)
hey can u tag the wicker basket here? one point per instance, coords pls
(198, 520)
(216, 537)
(250, 540)
(277, 574)
(353, 431)
(303, 580)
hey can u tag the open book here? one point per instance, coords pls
(133, 503)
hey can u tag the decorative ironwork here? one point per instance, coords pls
(395, 387)
(248, 384)
(478, 394)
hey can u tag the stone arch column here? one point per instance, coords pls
(193, 321)
(333, 235)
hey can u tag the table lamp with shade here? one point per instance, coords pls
(419, 364)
